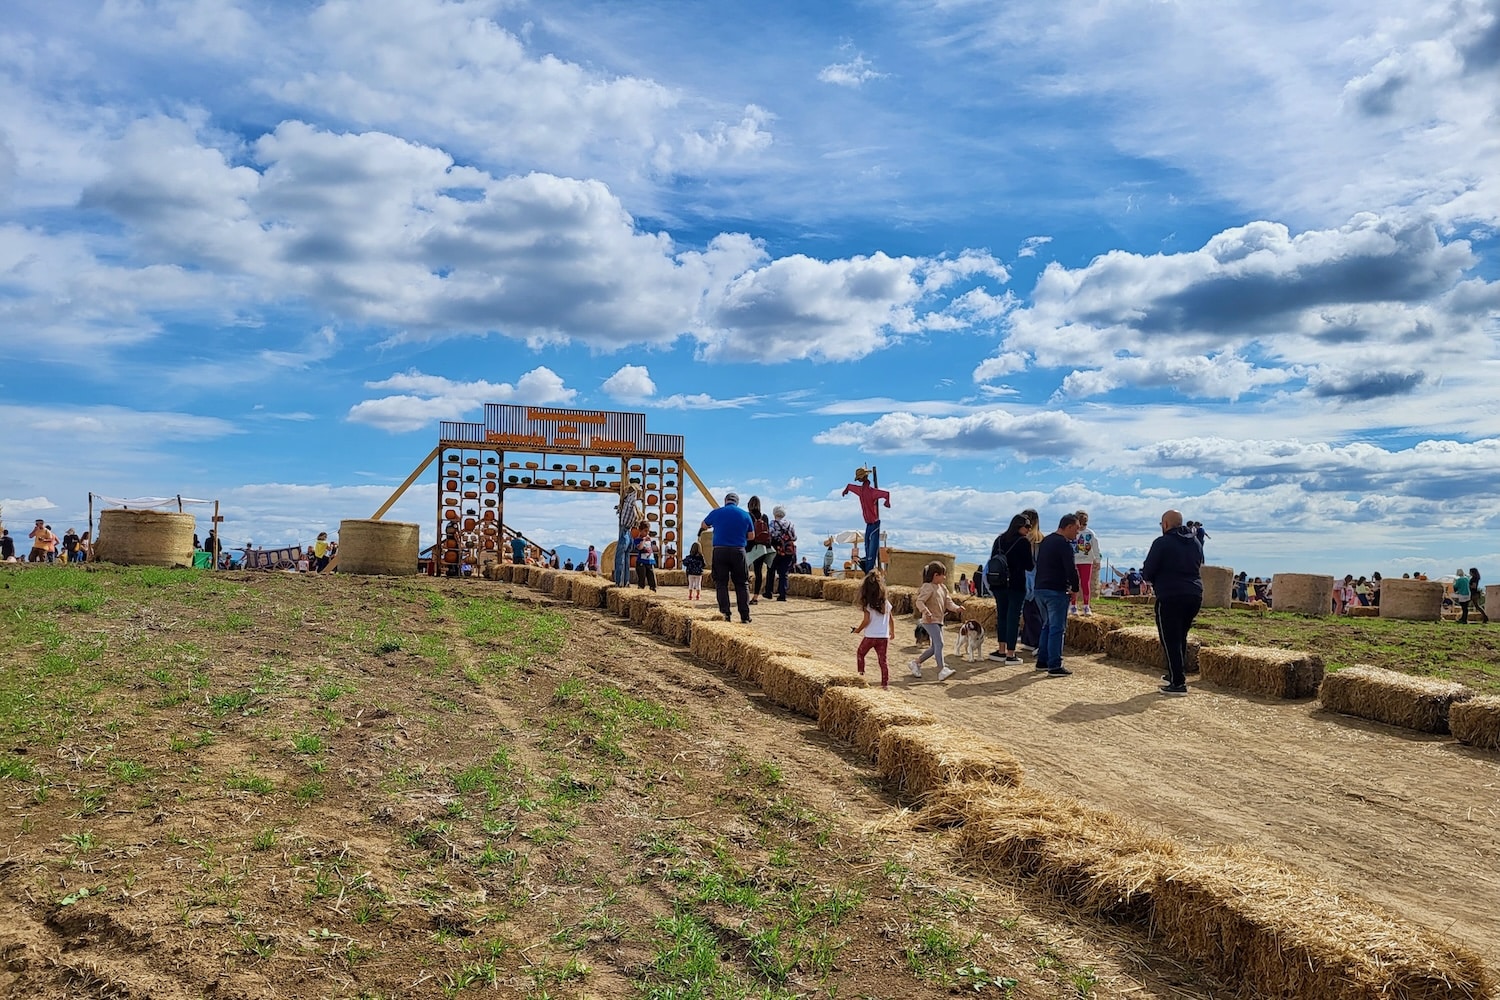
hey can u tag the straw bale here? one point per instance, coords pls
(1091, 858)
(904, 567)
(639, 603)
(1397, 699)
(1476, 722)
(857, 716)
(590, 591)
(979, 609)
(562, 585)
(804, 585)
(1218, 586)
(1089, 633)
(1147, 599)
(920, 759)
(505, 571)
(844, 591)
(736, 647)
(1141, 644)
(671, 578)
(1275, 673)
(1248, 606)
(1281, 932)
(1304, 593)
(1407, 600)
(1360, 611)
(615, 598)
(902, 599)
(377, 548)
(798, 683)
(675, 621)
(542, 581)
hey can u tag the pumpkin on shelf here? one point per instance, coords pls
(453, 458)
(572, 468)
(513, 479)
(531, 465)
(651, 499)
(452, 484)
(471, 461)
(593, 468)
(572, 482)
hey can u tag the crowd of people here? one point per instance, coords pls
(47, 546)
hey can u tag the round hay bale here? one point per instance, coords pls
(1303, 593)
(1218, 586)
(145, 538)
(1406, 600)
(905, 567)
(378, 548)
(1491, 595)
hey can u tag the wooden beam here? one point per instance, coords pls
(698, 483)
(409, 480)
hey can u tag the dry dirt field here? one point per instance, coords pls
(261, 785)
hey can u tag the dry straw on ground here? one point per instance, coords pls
(1090, 633)
(1397, 699)
(1259, 606)
(1275, 673)
(1280, 932)
(1141, 644)
(843, 591)
(798, 683)
(803, 585)
(919, 760)
(1476, 722)
(858, 717)
(1087, 857)
(736, 647)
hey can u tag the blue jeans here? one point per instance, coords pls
(622, 559)
(872, 546)
(1053, 605)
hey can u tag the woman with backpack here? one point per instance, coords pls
(784, 546)
(1005, 573)
(758, 551)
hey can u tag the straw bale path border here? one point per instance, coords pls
(1404, 819)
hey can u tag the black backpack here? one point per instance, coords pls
(997, 572)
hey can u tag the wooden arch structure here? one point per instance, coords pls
(547, 448)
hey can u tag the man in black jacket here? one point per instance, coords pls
(1056, 579)
(1174, 568)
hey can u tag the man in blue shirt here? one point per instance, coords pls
(731, 527)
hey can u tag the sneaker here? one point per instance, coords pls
(1039, 665)
(945, 673)
(1059, 671)
(1086, 610)
(1012, 661)
(727, 618)
(745, 620)
(1174, 690)
(998, 656)
(1025, 648)
(916, 668)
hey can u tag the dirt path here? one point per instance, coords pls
(1404, 819)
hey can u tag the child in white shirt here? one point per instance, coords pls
(875, 626)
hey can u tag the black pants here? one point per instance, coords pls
(1174, 616)
(1031, 624)
(729, 564)
(645, 575)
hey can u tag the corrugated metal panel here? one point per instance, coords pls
(460, 430)
(664, 444)
(565, 429)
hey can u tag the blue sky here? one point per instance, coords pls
(1237, 258)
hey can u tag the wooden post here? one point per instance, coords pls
(409, 480)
